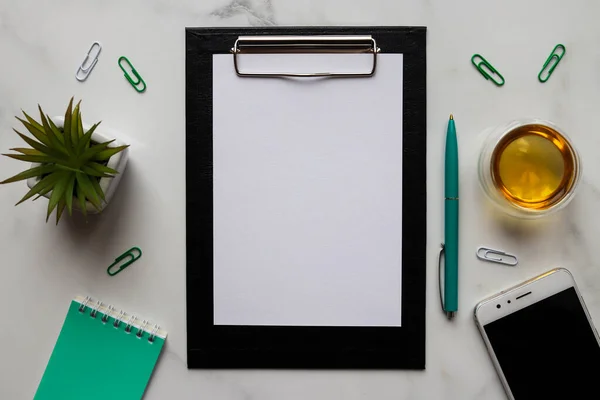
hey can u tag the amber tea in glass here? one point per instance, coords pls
(534, 166)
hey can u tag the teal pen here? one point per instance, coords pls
(450, 305)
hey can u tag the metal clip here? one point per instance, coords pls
(483, 62)
(440, 255)
(128, 254)
(496, 256)
(87, 70)
(552, 60)
(138, 79)
(268, 44)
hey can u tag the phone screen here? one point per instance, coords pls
(547, 350)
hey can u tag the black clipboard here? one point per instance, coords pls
(228, 346)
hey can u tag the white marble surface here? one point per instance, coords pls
(44, 266)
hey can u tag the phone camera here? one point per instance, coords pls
(508, 302)
(498, 306)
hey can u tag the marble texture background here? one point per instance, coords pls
(43, 266)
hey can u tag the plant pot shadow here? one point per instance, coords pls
(99, 232)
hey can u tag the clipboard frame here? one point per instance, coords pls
(306, 347)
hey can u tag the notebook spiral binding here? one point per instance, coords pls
(120, 318)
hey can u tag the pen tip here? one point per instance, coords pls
(451, 116)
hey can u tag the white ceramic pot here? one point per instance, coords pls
(116, 162)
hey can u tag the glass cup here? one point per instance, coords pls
(529, 168)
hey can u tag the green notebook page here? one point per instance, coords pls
(94, 360)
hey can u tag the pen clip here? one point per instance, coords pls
(440, 255)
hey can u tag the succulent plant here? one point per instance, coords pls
(67, 163)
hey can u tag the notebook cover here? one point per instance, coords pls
(93, 360)
(211, 346)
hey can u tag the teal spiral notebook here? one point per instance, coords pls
(116, 349)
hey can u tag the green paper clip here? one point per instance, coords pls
(137, 76)
(128, 254)
(552, 60)
(482, 71)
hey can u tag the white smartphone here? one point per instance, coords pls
(541, 339)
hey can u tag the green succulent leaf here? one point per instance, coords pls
(75, 122)
(57, 142)
(93, 173)
(56, 132)
(39, 146)
(60, 209)
(104, 155)
(29, 152)
(66, 138)
(39, 134)
(67, 123)
(83, 182)
(81, 199)
(57, 192)
(102, 168)
(33, 122)
(80, 127)
(67, 168)
(97, 188)
(70, 193)
(43, 159)
(42, 187)
(84, 141)
(90, 153)
(31, 173)
(43, 192)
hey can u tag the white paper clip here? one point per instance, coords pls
(88, 63)
(496, 256)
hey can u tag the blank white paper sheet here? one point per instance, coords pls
(307, 195)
